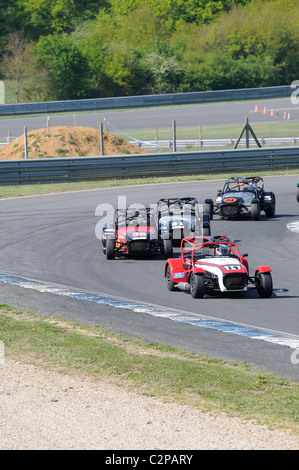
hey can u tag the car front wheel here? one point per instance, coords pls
(255, 211)
(110, 248)
(264, 284)
(270, 211)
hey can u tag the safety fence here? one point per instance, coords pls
(201, 143)
(14, 172)
(175, 99)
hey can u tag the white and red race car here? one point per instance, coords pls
(214, 264)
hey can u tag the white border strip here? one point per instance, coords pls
(156, 311)
(293, 226)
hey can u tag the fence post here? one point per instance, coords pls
(101, 139)
(174, 135)
(247, 127)
(25, 143)
(247, 133)
(200, 137)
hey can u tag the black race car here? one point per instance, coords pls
(242, 196)
(181, 217)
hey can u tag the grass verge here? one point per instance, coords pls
(150, 369)
(36, 189)
(225, 131)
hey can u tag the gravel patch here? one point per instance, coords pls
(45, 410)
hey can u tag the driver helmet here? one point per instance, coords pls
(222, 250)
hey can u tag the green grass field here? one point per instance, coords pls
(150, 369)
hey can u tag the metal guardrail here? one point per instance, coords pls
(175, 99)
(13, 172)
(181, 144)
(191, 143)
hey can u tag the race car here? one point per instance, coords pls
(242, 196)
(214, 264)
(133, 233)
(181, 217)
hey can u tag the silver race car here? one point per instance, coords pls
(242, 196)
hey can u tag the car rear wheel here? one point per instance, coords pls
(197, 285)
(264, 284)
(168, 249)
(169, 282)
(110, 248)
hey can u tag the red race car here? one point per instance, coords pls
(134, 233)
(214, 264)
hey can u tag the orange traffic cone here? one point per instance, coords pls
(256, 109)
(265, 110)
(272, 112)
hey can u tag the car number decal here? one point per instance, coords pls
(229, 199)
(178, 275)
(233, 267)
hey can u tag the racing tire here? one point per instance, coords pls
(110, 248)
(297, 196)
(206, 232)
(264, 284)
(197, 285)
(255, 211)
(270, 211)
(208, 208)
(168, 249)
(169, 282)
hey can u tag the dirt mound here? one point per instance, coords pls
(67, 141)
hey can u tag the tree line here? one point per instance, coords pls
(72, 49)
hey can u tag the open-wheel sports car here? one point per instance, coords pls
(181, 217)
(214, 265)
(242, 196)
(134, 232)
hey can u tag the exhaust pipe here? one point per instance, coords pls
(183, 285)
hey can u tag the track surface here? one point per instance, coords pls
(185, 116)
(52, 238)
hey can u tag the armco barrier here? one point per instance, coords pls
(175, 99)
(14, 172)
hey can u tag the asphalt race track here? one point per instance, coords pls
(52, 239)
(185, 116)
